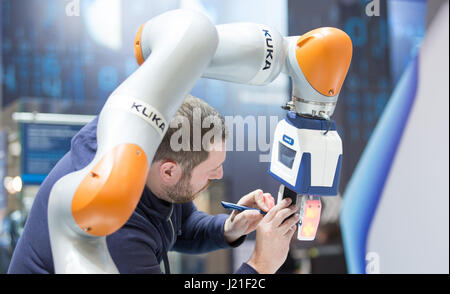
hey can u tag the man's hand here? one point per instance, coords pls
(245, 222)
(273, 236)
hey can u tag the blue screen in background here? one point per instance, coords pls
(42, 147)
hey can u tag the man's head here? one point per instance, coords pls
(191, 153)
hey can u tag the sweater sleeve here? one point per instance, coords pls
(246, 269)
(134, 251)
(202, 232)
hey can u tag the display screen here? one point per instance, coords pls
(286, 155)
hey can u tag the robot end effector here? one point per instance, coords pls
(307, 150)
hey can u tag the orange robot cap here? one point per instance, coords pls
(138, 47)
(324, 56)
(108, 195)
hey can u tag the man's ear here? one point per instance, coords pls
(170, 172)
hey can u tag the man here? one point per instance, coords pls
(165, 217)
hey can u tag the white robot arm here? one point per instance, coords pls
(174, 50)
(87, 205)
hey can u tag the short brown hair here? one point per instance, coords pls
(193, 155)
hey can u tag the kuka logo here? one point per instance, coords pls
(150, 115)
(269, 56)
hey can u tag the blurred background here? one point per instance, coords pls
(59, 65)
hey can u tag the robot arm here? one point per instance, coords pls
(174, 50)
(87, 205)
(247, 53)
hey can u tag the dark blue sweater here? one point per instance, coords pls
(155, 227)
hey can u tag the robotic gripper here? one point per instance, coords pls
(307, 149)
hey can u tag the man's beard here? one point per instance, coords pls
(183, 192)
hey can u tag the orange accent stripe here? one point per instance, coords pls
(108, 195)
(324, 56)
(138, 47)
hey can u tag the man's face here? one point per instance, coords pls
(188, 188)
